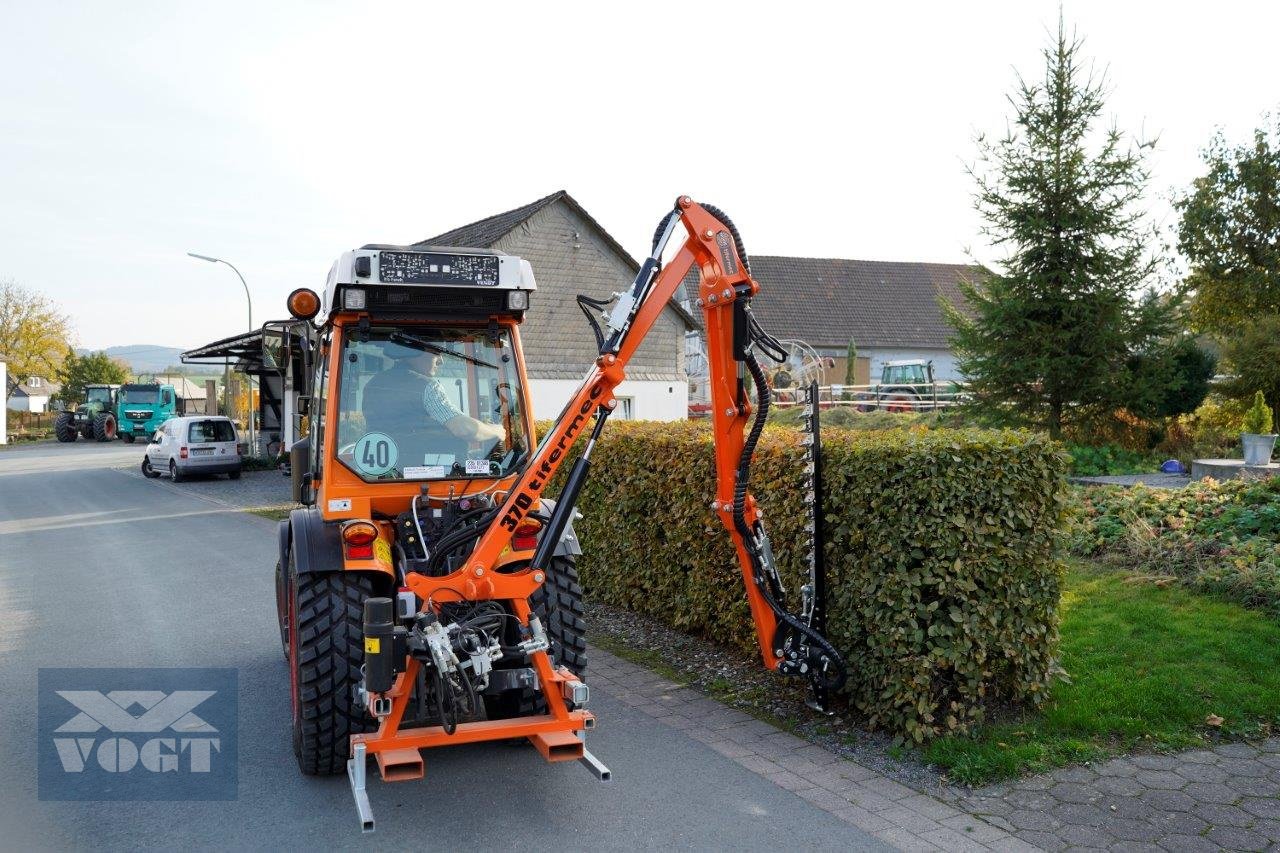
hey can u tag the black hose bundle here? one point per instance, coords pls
(765, 582)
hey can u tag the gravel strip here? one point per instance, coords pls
(739, 681)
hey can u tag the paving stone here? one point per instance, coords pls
(1119, 786)
(1216, 814)
(1253, 787)
(790, 781)
(1075, 814)
(1181, 823)
(1085, 836)
(1168, 801)
(1234, 838)
(998, 822)
(1264, 807)
(929, 807)
(826, 800)
(907, 819)
(1270, 759)
(1269, 828)
(1271, 745)
(1136, 847)
(1073, 792)
(1245, 767)
(1211, 792)
(1133, 830)
(973, 828)
(1184, 843)
(1162, 779)
(1236, 750)
(1133, 808)
(868, 799)
(1116, 767)
(1034, 819)
(892, 790)
(816, 754)
(1155, 762)
(1013, 844)
(1035, 783)
(1044, 841)
(863, 819)
(1200, 756)
(951, 840)
(729, 749)
(907, 841)
(1076, 774)
(1201, 773)
(1039, 800)
(987, 805)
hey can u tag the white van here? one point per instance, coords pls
(193, 444)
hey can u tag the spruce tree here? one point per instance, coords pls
(1049, 338)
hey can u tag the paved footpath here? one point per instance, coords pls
(1212, 799)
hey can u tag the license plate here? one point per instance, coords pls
(202, 451)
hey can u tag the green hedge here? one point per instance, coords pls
(943, 575)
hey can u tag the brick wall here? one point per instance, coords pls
(569, 258)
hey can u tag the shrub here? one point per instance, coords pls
(1258, 420)
(1109, 459)
(1217, 537)
(943, 576)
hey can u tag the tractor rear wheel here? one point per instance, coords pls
(104, 427)
(326, 652)
(64, 426)
(558, 603)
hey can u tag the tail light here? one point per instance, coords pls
(526, 536)
(359, 537)
(182, 453)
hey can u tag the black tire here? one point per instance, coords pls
(234, 475)
(64, 427)
(326, 652)
(558, 603)
(174, 474)
(127, 436)
(147, 471)
(104, 427)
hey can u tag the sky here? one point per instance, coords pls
(279, 135)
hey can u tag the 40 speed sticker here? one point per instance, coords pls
(375, 454)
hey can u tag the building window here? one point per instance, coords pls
(626, 408)
(34, 381)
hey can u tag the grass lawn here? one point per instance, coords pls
(1148, 664)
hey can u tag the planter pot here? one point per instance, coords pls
(1257, 448)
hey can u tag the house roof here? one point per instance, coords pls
(826, 301)
(44, 389)
(483, 233)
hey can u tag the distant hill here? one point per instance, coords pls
(144, 358)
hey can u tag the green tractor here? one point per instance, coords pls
(95, 418)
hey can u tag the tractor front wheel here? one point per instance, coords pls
(64, 426)
(558, 603)
(326, 652)
(104, 427)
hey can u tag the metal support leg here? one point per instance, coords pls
(592, 763)
(356, 776)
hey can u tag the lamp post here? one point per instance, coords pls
(249, 299)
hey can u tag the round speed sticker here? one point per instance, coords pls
(375, 454)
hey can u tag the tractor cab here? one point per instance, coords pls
(418, 384)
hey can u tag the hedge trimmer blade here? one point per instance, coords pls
(814, 593)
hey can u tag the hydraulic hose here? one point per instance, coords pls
(763, 581)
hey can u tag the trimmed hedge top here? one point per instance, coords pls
(943, 579)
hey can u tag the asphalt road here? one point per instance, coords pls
(100, 569)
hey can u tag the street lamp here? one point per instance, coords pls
(249, 299)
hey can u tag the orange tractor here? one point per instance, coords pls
(427, 592)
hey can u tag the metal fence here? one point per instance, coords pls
(922, 397)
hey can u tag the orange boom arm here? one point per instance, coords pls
(795, 646)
